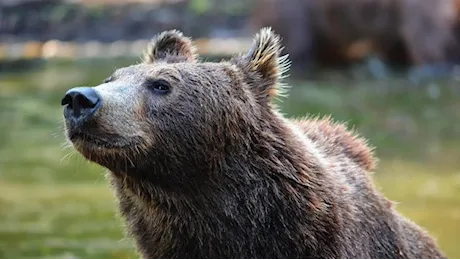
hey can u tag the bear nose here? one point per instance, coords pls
(81, 103)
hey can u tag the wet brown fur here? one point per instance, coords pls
(337, 140)
(213, 170)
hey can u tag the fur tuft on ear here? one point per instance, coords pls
(264, 58)
(170, 46)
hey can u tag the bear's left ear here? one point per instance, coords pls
(170, 46)
(264, 59)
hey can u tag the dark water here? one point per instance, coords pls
(55, 204)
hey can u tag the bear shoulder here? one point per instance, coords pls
(335, 139)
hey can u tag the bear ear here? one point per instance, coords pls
(264, 58)
(169, 46)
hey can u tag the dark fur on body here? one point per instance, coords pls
(213, 170)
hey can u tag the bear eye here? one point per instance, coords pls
(159, 86)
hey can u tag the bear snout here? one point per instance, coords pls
(80, 104)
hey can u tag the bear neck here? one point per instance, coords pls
(216, 190)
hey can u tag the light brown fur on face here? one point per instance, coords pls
(205, 166)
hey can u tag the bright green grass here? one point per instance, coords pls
(54, 205)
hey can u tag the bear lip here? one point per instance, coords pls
(88, 140)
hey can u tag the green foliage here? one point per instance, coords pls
(200, 6)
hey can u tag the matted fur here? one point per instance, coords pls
(336, 139)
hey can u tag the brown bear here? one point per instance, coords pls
(205, 166)
(419, 33)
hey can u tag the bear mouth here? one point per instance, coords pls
(95, 140)
(108, 150)
(108, 142)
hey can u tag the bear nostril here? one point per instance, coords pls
(84, 101)
(81, 101)
(67, 100)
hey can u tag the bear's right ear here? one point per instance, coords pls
(170, 46)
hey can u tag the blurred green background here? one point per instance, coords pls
(55, 204)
